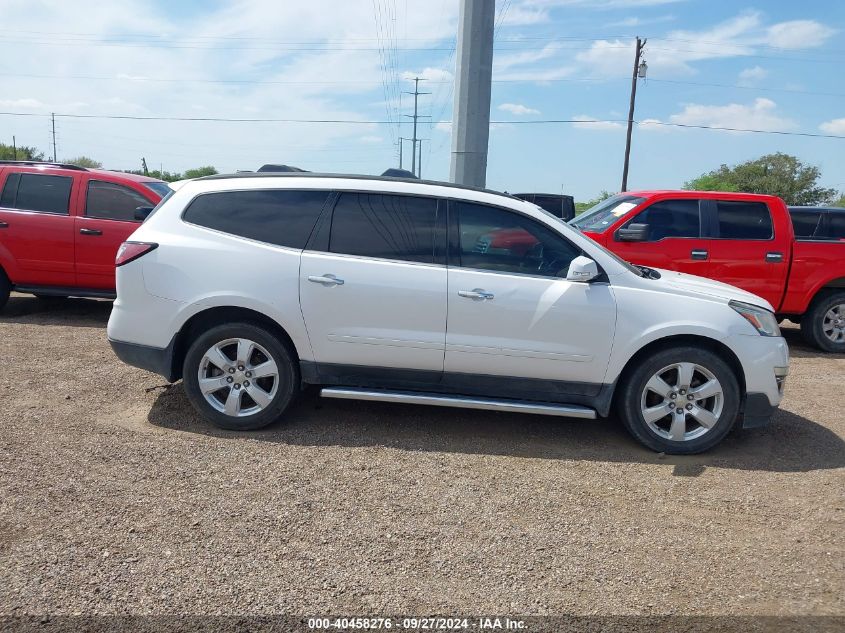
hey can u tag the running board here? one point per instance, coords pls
(461, 402)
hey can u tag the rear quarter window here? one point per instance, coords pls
(280, 217)
(836, 225)
(804, 223)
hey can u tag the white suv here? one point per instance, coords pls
(250, 287)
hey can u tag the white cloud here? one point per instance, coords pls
(653, 125)
(519, 15)
(591, 123)
(518, 109)
(834, 126)
(25, 103)
(371, 139)
(752, 75)
(676, 53)
(760, 115)
(429, 74)
(797, 34)
(503, 62)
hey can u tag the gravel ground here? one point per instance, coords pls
(118, 501)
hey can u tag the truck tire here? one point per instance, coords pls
(823, 325)
(5, 289)
(658, 401)
(249, 376)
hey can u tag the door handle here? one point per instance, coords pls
(90, 231)
(774, 257)
(699, 254)
(4, 225)
(326, 280)
(477, 294)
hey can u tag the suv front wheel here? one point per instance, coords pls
(681, 400)
(240, 376)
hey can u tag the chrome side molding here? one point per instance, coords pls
(461, 402)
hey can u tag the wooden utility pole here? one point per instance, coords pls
(53, 117)
(637, 55)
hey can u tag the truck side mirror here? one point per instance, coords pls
(141, 213)
(633, 233)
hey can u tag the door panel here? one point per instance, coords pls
(104, 221)
(674, 241)
(38, 240)
(384, 314)
(531, 327)
(747, 251)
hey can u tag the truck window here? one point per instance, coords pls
(671, 218)
(836, 225)
(804, 222)
(744, 220)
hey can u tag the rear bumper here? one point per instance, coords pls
(758, 410)
(154, 359)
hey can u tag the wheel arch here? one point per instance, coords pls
(717, 347)
(220, 315)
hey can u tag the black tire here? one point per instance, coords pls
(5, 289)
(630, 399)
(812, 324)
(287, 380)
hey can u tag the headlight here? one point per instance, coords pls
(762, 320)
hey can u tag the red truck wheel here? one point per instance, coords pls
(824, 324)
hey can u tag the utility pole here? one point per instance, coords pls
(53, 117)
(471, 118)
(14, 148)
(639, 71)
(415, 116)
(144, 166)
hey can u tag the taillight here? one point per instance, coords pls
(130, 251)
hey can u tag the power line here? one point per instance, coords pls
(378, 122)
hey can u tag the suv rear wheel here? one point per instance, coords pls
(824, 324)
(240, 376)
(680, 400)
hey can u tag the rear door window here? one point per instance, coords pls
(37, 192)
(671, 218)
(384, 226)
(283, 217)
(836, 225)
(110, 201)
(743, 220)
(804, 222)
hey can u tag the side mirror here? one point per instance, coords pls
(582, 269)
(633, 233)
(141, 213)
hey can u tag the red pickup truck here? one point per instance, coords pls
(61, 226)
(746, 240)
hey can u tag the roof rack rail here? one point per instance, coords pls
(43, 163)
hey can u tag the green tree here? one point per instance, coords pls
(840, 202)
(775, 174)
(24, 152)
(580, 207)
(84, 161)
(198, 172)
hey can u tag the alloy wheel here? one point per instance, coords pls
(238, 377)
(833, 323)
(682, 402)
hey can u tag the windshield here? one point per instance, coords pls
(598, 218)
(161, 188)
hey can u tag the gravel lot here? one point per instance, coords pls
(114, 500)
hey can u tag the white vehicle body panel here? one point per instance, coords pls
(386, 313)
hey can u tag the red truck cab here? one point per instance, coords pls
(742, 239)
(61, 226)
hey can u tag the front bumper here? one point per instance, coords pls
(154, 359)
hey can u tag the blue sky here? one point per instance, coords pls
(774, 66)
